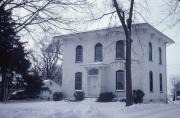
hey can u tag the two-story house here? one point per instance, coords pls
(94, 62)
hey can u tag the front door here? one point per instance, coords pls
(93, 88)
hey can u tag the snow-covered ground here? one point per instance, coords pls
(87, 109)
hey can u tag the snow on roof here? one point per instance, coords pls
(54, 87)
(15, 92)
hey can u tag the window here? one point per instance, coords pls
(151, 81)
(93, 72)
(120, 80)
(160, 82)
(120, 49)
(150, 51)
(160, 56)
(98, 52)
(79, 54)
(78, 81)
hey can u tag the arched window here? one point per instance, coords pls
(160, 56)
(150, 51)
(120, 80)
(98, 52)
(151, 81)
(79, 54)
(120, 49)
(78, 81)
(160, 82)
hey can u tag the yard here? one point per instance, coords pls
(87, 109)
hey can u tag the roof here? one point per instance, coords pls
(95, 64)
(54, 87)
(166, 38)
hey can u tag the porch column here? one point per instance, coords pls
(100, 75)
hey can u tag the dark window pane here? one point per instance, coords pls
(120, 49)
(120, 80)
(151, 81)
(98, 52)
(160, 81)
(78, 81)
(160, 56)
(150, 52)
(79, 54)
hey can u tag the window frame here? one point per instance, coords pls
(160, 55)
(117, 88)
(151, 86)
(150, 52)
(93, 72)
(97, 59)
(77, 82)
(79, 48)
(160, 83)
(118, 45)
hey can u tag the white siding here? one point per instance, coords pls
(140, 61)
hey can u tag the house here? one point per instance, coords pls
(49, 88)
(94, 62)
(177, 91)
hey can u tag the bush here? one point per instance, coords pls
(138, 96)
(79, 95)
(106, 97)
(57, 96)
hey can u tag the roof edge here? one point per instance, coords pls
(169, 40)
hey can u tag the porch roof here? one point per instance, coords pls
(94, 65)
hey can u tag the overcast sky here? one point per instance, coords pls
(154, 11)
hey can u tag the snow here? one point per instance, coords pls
(18, 91)
(52, 88)
(87, 109)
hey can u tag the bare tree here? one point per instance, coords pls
(125, 18)
(48, 61)
(126, 22)
(33, 16)
(172, 11)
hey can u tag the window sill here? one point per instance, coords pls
(120, 59)
(98, 61)
(119, 90)
(79, 90)
(78, 62)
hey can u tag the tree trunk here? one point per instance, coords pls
(3, 70)
(129, 99)
(127, 30)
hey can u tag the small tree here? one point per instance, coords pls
(48, 61)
